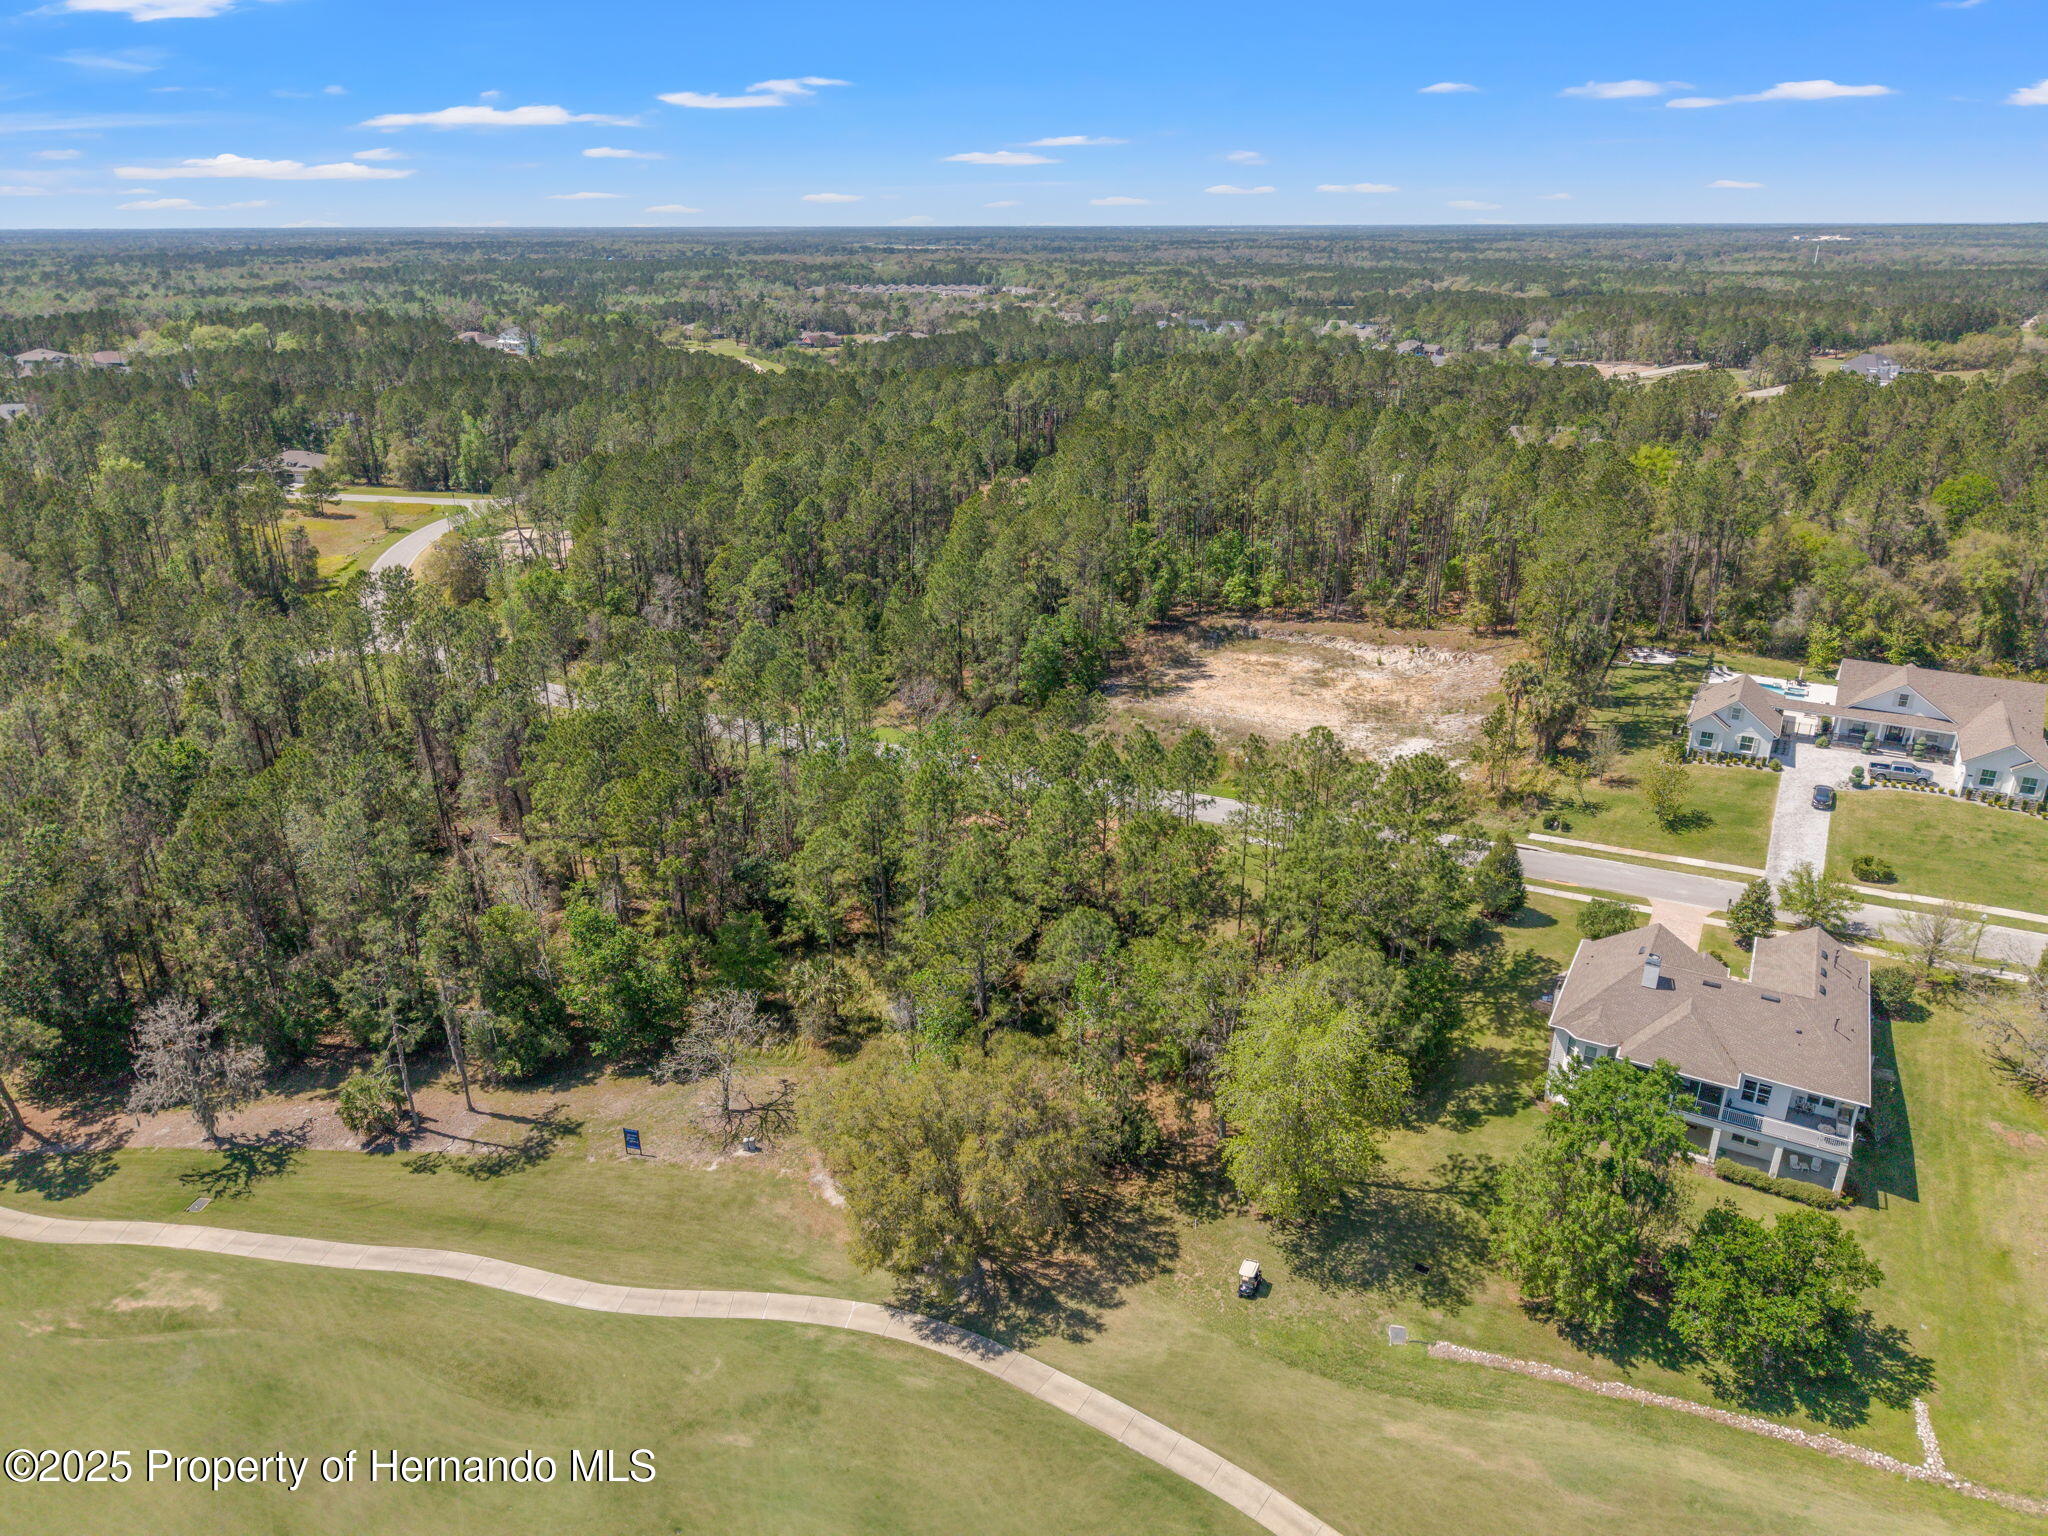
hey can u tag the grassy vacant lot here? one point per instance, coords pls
(1728, 814)
(755, 1428)
(1730, 808)
(1944, 847)
(350, 534)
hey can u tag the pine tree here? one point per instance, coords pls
(1497, 880)
(1753, 914)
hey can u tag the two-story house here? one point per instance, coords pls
(1775, 1070)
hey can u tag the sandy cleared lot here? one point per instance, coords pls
(1380, 693)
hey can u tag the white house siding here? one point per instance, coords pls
(2008, 767)
(1728, 731)
(1887, 702)
(1713, 1137)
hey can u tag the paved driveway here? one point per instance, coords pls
(1799, 833)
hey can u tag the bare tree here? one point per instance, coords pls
(1943, 937)
(183, 1062)
(2014, 1023)
(726, 1027)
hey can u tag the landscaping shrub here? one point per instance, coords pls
(1868, 866)
(1602, 919)
(369, 1103)
(1791, 1189)
(1891, 988)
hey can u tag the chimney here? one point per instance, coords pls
(1653, 971)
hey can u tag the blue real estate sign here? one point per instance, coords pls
(632, 1141)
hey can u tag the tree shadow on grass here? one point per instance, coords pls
(544, 1132)
(57, 1175)
(1411, 1241)
(1883, 1368)
(244, 1162)
(1121, 1235)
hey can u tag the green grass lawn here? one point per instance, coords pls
(1299, 1387)
(1728, 814)
(1730, 808)
(755, 1427)
(1945, 847)
(350, 534)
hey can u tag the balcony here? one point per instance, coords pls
(1802, 1129)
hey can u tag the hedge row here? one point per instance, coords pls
(1791, 1189)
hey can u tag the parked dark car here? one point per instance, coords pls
(1823, 797)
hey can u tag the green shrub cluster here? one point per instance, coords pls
(1791, 1189)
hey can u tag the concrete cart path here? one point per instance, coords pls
(1264, 1504)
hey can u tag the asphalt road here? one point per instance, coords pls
(1640, 882)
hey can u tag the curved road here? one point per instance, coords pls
(1264, 1504)
(408, 551)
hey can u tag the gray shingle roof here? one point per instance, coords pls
(1802, 1020)
(1987, 713)
(1741, 689)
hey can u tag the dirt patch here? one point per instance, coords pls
(2026, 1141)
(166, 1290)
(1382, 694)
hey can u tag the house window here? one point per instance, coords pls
(1706, 738)
(2030, 786)
(1905, 699)
(1755, 1091)
(1746, 745)
(1986, 777)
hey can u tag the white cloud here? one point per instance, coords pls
(1616, 90)
(380, 154)
(1815, 90)
(254, 202)
(831, 197)
(1245, 157)
(243, 168)
(60, 154)
(1001, 157)
(762, 93)
(1471, 205)
(1786, 90)
(2035, 95)
(581, 197)
(800, 86)
(129, 61)
(1074, 141)
(1008, 202)
(24, 191)
(333, 90)
(606, 152)
(915, 218)
(1356, 186)
(492, 117)
(671, 208)
(154, 10)
(713, 103)
(1724, 184)
(312, 224)
(1553, 197)
(1120, 202)
(160, 204)
(1225, 189)
(1446, 88)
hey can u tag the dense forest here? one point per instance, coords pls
(791, 687)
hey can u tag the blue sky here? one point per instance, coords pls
(237, 113)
